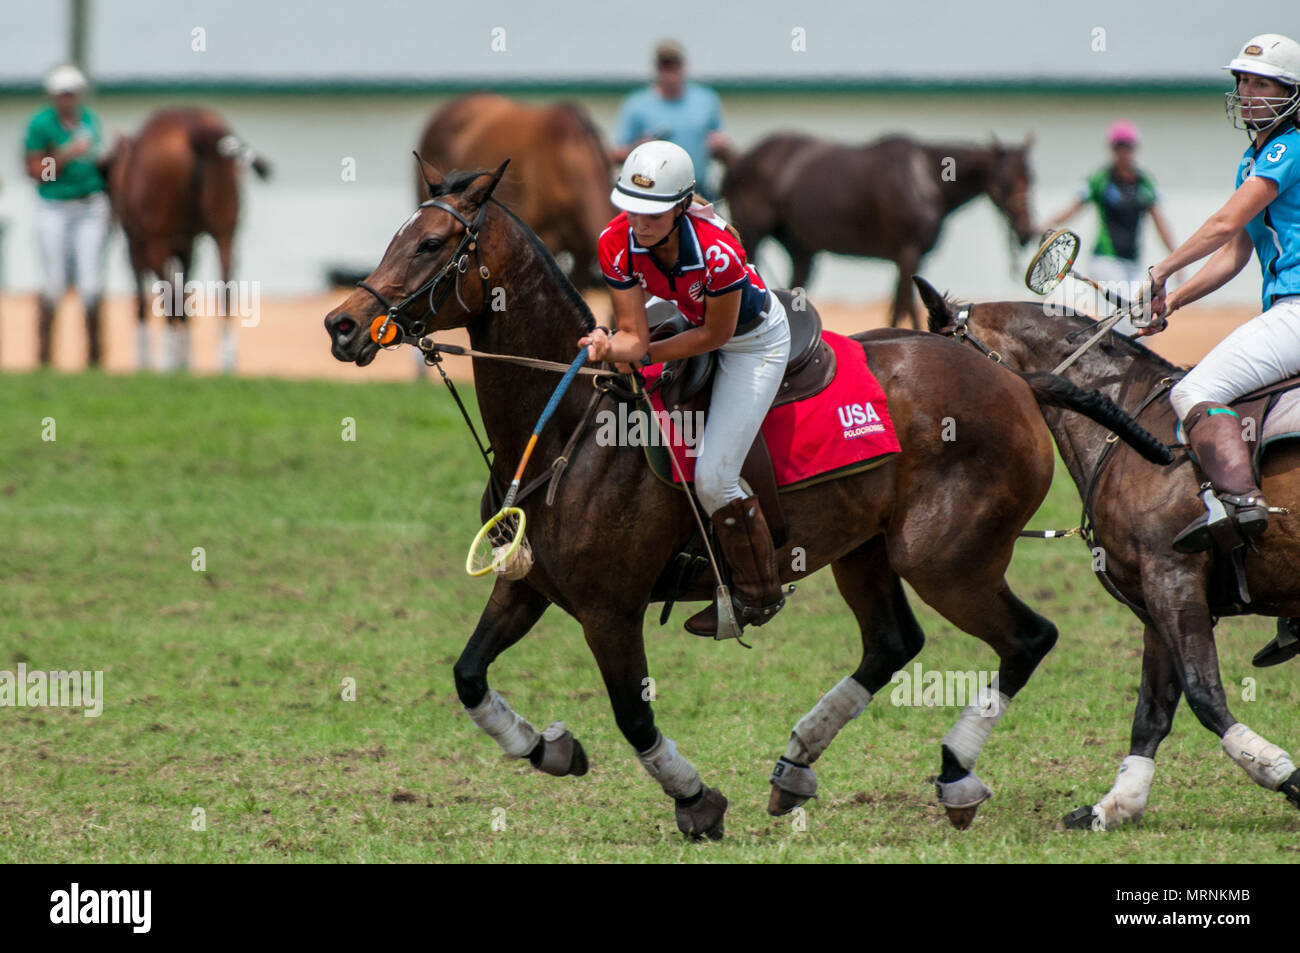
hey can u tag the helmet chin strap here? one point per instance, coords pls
(677, 221)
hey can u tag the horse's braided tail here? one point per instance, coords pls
(1055, 391)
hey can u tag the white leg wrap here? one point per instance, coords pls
(181, 335)
(817, 729)
(1127, 800)
(675, 774)
(515, 735)
(967, 737)
(142, 346)
(1266, 763)
(230, 349)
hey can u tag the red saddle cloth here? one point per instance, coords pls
(841, 430)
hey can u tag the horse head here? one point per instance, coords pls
(434, 272)
(1008, 185)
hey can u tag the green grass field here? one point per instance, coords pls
(328, 560)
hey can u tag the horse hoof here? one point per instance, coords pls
(562, 754)
(962, 798)
(961, 817)
(578, 766)
(783, 802)
(1080, 819)
(1291, 788)
(702, 816)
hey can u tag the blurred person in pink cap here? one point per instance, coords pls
(1123, 193)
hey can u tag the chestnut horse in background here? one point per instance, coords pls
(559, 179)
(887, 199)
(176, 179)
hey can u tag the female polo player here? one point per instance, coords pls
(666, 245)
(1263, 215)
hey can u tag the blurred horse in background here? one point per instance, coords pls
(176, 179)
(559, 179)
(886, 199)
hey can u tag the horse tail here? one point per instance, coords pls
(217, 142)
(1052, 390)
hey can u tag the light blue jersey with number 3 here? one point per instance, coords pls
(1275, 232)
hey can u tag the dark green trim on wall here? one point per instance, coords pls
(234, 86)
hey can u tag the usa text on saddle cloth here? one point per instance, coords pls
(841, 430)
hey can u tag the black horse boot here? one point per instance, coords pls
(44, 330)
(1214, 432)
(94, 351)
(755, 582)
(1285, 645)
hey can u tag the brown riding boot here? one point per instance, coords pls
(44, 331)
(1214, 432)
(755, 581)
(94, 352)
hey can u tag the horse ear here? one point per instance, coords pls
(934, 303)
(485, 185)
(430, 175)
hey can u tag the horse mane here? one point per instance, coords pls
(1137, 350)
(456, 182)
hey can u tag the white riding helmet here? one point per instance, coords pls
(65, 79)
(656, 177)
(1276, 57)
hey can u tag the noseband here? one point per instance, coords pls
(457, 264)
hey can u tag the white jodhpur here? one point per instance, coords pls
(966, 740)
(675, 774)
(1127, 799)
(1266, 763)
(507, 728)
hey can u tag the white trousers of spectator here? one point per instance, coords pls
(1121, 276)
(73, 231)
(1263, 351)
(749, 372)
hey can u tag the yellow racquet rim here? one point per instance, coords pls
(488, 553)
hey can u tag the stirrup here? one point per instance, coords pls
(1229, 519)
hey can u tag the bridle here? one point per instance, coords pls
(457, 264)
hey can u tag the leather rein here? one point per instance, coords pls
(458, 264)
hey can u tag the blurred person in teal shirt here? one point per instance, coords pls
(675, 109)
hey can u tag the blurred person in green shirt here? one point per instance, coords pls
(62, 147)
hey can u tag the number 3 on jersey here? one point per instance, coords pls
(1276, 154)
(717, 258)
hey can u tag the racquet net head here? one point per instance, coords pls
(1052, 262)
(501, 547)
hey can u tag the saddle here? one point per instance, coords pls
(685, 385)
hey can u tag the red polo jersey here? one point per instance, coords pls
(710, 262)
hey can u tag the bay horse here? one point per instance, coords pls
(560, 177)
(176, 179)
(943, 514)
(885, 199)
(1135, 508)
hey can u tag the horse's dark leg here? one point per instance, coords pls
(909, 257)
(511, 612)
(981, 603)
(890, 638)
(616, 640)
(139, 266)
(1175, 596)
(801, 260)
(1157, 700)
